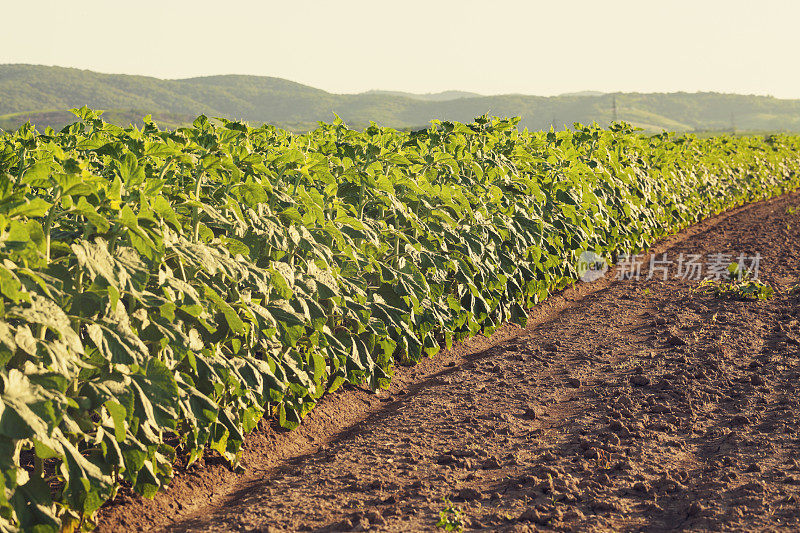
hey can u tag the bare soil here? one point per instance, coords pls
(632, 405)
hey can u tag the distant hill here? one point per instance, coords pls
(430, 97)
(42, 95)
(584, 93)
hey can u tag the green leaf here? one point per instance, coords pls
(35, 207)
(129, 170)
(233, 320)
(88, 211)
(118, 415)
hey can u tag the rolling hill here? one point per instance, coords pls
(42, 94)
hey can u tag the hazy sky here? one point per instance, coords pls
(533, 47)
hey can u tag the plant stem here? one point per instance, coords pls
(38, 466)
(195, 210)
(183, 272)
(21, 168)
(164, 168)
(48, 225)
(296, 183)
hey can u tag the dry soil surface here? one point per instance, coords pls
(632, 405)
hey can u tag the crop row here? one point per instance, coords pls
(164, 291)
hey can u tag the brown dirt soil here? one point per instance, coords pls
(624, 405)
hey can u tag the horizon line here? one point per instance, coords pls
(576, 93)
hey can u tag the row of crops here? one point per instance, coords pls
(164, 291)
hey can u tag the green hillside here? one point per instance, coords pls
(431, 97)
(43, 94)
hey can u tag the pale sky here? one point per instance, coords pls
(490, 47)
